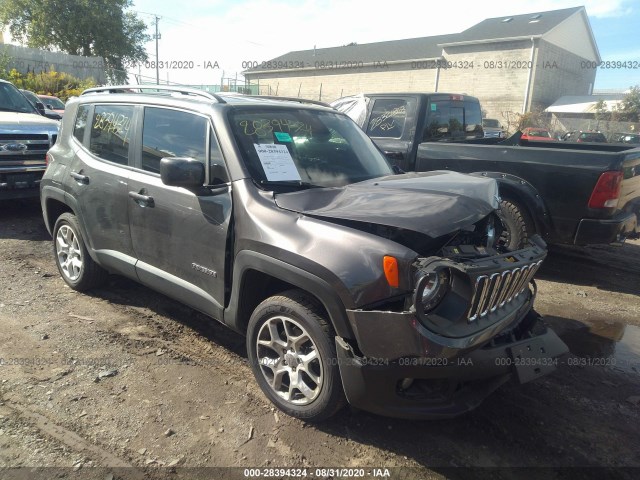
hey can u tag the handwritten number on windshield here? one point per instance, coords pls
(263, 127)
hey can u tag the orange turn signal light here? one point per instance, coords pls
(390, 265)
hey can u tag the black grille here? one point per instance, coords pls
(24, 136)
(22, 158)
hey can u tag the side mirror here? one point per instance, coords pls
(40, 108)
(52, 115)
(182, 172)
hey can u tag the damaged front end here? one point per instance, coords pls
(467, 327)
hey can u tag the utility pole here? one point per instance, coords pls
(157, 36)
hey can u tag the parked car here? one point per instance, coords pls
(282, 220)
(41, 107)
(580, 136)
(52, 103)
(632, 138)
(25, 137)
(493, 128)
(533, 134)
(570, 193)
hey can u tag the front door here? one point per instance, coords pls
(179, 236)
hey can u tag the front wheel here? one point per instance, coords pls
(291, 348)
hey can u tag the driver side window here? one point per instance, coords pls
(172, 133)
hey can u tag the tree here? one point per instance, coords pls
(629, 109)
(80, 27)
(534, 118)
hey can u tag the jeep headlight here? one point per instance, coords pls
(432, 288)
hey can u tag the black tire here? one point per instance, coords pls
(518, 225)
(296, 309)
(88, 274)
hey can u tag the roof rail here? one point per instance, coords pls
(165, 88)
(292, 99)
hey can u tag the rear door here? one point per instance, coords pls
(98, 179)
(180, 236)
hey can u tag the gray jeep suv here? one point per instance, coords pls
(282, 220)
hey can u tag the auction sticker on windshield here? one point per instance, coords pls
(276, 162)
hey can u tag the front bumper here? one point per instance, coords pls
(452, 382)
(615, 230)
(20, 183)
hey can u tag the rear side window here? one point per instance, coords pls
(172, 133)
(388, 118)
(111, 133)
(81, 122)
(449, 119)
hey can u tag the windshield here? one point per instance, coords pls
(309, 147)
(11, 100)
(55, 102)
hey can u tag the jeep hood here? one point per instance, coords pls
(432, 203)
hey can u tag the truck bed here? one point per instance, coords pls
(564, 177)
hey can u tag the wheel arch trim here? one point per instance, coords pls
(247, 260)
(518, 189)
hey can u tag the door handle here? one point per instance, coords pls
(78, 177)
(397, 155)
(142, 200)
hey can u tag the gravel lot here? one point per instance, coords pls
(125, 378)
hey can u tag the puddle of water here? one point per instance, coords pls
(609, 344)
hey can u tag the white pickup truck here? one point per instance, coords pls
(25, 138)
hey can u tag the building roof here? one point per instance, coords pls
(528, 25)
(584, 103)
(421, 48)
(408, 49)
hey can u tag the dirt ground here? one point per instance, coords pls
(126, 383)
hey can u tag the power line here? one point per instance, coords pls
(180, 22)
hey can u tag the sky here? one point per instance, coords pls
(233, 32)
(203, 32)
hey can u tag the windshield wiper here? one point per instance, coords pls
(287, 183)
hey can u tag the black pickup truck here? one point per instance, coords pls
(568, 193)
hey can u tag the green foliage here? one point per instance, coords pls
(5, 59)
(629, 110)
(532, 119)
(61, 85)
(601, 112)
(80, 27)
